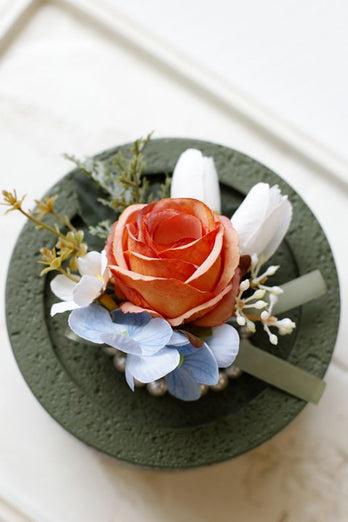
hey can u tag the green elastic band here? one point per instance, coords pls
(279, 373)
(299, 291)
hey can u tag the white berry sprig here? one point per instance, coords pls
(263, 297)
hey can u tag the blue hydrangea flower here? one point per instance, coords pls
(154, 350)
(200, 366)
(141, 337)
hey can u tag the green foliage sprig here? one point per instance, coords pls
(123, 181)
(101, 230)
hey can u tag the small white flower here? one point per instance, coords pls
(95, 276)
(285, 326)
(262, 221)
(195, 177)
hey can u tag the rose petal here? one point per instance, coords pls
(195, 252)
(132, 295)
(199, 311)
(225, 308)
(117, 243)
(169, 226)
(129, 308)
(159, 267)
(136, 246)
(188, 206)
(206, 276)
(169, 296)
(108, 246)
(230, 253)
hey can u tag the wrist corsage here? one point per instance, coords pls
(174, 285)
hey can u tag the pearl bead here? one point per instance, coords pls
(157, 388)
(109, 350)
(233, 372)
(222, 382)
(204, 389)
(138, 384)
(120, 361)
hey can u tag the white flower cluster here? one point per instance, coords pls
(263, 297)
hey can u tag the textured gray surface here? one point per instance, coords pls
(78, 385)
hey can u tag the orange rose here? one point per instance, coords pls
(176, 259)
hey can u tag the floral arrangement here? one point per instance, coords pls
(175, 281)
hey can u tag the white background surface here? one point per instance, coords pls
(68, 86)
(288, 55)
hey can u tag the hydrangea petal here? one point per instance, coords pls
(224, 343)
(182, 385)
(91, 322)
(177, 339)
(129, 378)
(202, 365)
(153, 336)
(132, 321)
(121, 341)
(147, 369)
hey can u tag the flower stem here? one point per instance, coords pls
(253, 317)
(63, 220)
(68, 275)
(41, 224)
(107, 301)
